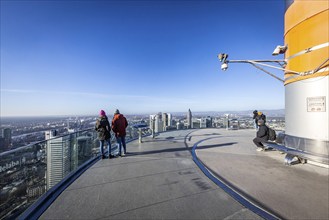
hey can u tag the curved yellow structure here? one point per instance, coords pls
(306, 94)
(307, 27)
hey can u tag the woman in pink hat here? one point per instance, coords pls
(103, 128)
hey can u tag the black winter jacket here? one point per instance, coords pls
(262, 132)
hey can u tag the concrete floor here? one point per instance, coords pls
(159, 180)
(300, 191)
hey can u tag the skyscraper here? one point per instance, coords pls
(2, 144)
(6, 135)
(152, 122)
(179, 125)
(169, 119)
(50, 134)
(189, 119)
(209, 122)
(158, 123)
(58, 160)
(165, 121)
(203, 122)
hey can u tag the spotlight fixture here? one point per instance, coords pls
(279, 50)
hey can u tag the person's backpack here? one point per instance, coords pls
(263, 117)
(271, 134)
(103, 122)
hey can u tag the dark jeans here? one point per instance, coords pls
(122, 142)
(258, 141)
(101, 146)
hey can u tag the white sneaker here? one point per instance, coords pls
(259, 149)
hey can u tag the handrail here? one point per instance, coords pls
(36, 210)
(39, 142)
(78, 157)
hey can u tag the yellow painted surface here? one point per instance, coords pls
(306, 26)
(301, 10)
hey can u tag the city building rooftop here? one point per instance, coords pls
(195, 174)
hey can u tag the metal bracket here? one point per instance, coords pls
(289, 160)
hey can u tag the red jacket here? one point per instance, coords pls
(119, 124)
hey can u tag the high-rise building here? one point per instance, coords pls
(58, 159)
(209, 122)
(165, 121)
(179, 125)
(152, 122)
(169, 119)
(203, 122)
(2, 144)
(189, 119)
(159, 115)
(50, 134)
(158, 123)
(196, 123)
(6, 135)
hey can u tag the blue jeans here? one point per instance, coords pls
(101, 146)
(122, 142)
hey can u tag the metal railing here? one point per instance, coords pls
(29, 172)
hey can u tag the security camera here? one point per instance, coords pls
(224, 66)
(279, 50)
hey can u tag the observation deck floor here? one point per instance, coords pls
(158, 179)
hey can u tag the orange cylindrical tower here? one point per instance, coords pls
(307, 37)
(306, 94)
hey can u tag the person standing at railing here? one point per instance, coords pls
(103, 128)
(255, 119)
(259, 116)
(119, 125)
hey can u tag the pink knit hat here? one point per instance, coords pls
(102, 113)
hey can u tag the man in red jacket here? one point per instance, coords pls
(119, 124)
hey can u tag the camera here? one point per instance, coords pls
(224, 66)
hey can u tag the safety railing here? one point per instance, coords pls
(27, 173)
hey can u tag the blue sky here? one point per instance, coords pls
(77, 57)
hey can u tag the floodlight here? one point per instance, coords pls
(279, 50)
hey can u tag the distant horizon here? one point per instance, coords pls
(146, 113)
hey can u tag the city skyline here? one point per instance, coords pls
(75, 58)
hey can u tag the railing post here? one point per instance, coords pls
(140, 135)
(153, 127)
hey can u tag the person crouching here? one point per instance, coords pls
(261, 135)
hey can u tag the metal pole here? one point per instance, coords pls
(267, 72)
(153, 126)
(140, 135)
